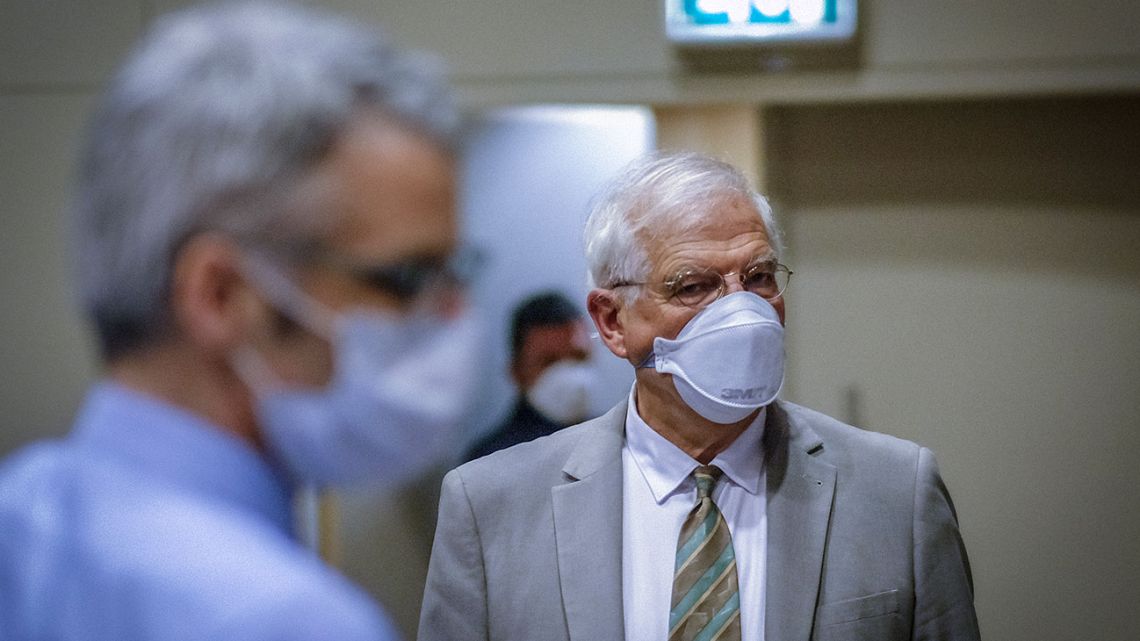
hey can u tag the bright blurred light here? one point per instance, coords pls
(807, 11)
(712, 6)
(738, 10)
(696, 22)
(771, 8)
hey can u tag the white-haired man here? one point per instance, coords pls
(702, 507)
(266, 244)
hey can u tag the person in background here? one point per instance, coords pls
(702, 507)
(550, 352)
(265, 239)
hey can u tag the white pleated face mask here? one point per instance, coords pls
(562, 392)
(728, 360)
(392, 410)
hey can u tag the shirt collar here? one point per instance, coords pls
(666, 467)
(173, 446)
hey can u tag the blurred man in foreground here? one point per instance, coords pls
(266, 242)
(702, 507)
(550, 352)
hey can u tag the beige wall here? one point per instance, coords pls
(606, 51)
(54, 55)
(45, 359)
(968, 277)
(933, 286)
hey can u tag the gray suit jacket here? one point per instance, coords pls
(863, 540)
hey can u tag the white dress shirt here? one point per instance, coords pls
(659, 492)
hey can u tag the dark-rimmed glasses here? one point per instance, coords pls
(411, 279)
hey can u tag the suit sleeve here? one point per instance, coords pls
(455, 596)
(943, 585)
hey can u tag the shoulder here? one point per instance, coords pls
(135, 556)
(30, 484)
(838, 433)
(536, 466)
(844, 445)
(525, 460)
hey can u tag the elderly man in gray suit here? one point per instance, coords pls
(701, 507)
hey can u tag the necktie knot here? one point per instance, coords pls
(706, 477)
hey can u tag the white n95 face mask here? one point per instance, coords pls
(728, 360)
(392, 409)
(562, 392)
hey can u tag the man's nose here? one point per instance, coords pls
(733, 282)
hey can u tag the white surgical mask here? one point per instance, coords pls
(728, 360)
(393, 408)
(562, 392)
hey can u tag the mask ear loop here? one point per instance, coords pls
(649, 361)
(287, 297)
(252, 369)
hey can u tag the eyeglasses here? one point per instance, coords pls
(413, 279)
(697, 288)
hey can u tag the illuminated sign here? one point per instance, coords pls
(738, 22)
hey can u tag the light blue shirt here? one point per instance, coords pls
(149, 523)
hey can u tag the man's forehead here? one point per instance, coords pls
(738, 234)
(395, 193)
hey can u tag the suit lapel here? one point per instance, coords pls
(587, 531)
(800, 490)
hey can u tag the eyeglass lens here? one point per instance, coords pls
(701, 288)
(411, 279)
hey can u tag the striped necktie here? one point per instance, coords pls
(706, 600)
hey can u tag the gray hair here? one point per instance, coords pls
(209, 125)
(658, 194)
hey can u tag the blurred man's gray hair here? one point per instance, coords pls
(661, 195)
(208, 125)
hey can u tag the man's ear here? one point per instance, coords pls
(214, 308)
(604, 306)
